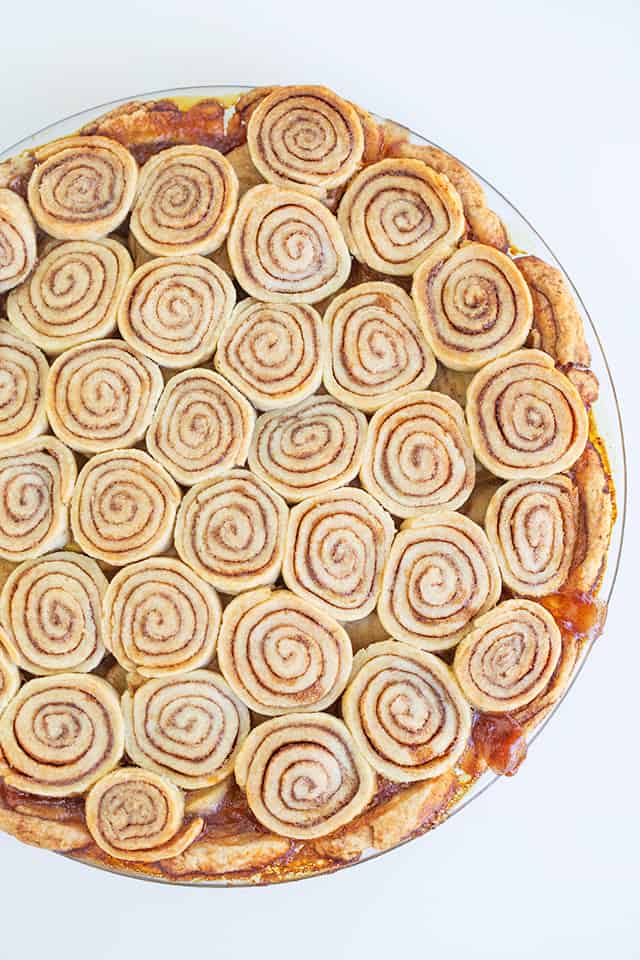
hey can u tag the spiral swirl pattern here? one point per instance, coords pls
(137, 815)
(202, 427)
(286, 246)
(101, 396)
(187, 196)
(533, 527)
(509, 656)
(123, 508)
(82, 187)
(526, 419)
(273, 353)
(282, 654)
(9, 676)
(396, 212)
(418, 456)
(18, 246)
(473, 307)
(337, 543)
(160, 618)
(174, 308)
(313, 447)
(36, 483)
(188, 728)
(377, 349)
(52, 610)
(441, 573)
(231, 531)
(406, 712)
(305, 137)
(23, 377)
(303, 775)
(72, 295)
(60, 734)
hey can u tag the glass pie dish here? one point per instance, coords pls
(523, 239)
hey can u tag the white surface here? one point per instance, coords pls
(543, 99)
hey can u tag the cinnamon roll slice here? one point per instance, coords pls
(337, 543)
(306, 137)
(82, 187)
(509, 657)
(201, 428)
(441, 573)
(101, 396)
(396, 212)
(174, 308)
(188, 728)
(273, 352)
(313, 447)
(406, 712)
(72, 295)
(123, 508)
(52, 610)
(137, 815)
(231, 531)
(286, 246)
(60, 734)
(160, 618)
(418, 456)
(484, 224)
(18, 247)
(9, 677)
(526, 419)
(377, 350)
(186, 199)
(474, 306)
(36, 482)
(23, 376)
(303, 775)
(282, 654)
(533, 527)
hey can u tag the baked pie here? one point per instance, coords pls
(303, 508)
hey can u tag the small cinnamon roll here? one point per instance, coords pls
(202, 427)
(273, 352)
(23, 377)
(509, 656)
(526, 419)
(82, 187)
(72, 295)
(377, 350)
(186, 199)
(282, 654)
(286, 246)
(18, 247)
(406, 712)
(303, 775)
(441, 573)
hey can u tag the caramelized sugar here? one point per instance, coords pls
(500, 741)
(576, 613)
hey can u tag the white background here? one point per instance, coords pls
(543, 99)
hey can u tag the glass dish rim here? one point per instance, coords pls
(202, 91)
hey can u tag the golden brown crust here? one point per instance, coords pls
(391, 821)
(532, 714)
(62, 837)
(212, 856)
(595, 520)
(557, 325)
(484, 224)
(147, 127)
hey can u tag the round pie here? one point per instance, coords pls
(303, 508)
